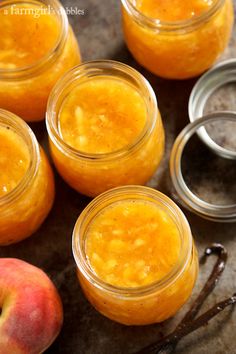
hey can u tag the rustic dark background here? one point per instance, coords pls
(85, 331)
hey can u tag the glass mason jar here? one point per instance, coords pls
(146, 304)
(25, 90)
(92, 174)
(181, 49)
(24, 208)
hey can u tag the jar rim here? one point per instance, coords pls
(42, 63)
(213, 212)
(101, 68)
(130, 192)
(171, 26)
(21, 128)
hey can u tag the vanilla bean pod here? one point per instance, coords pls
(162, 347)
(213, 279)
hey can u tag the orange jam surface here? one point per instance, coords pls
(29, 32)
(173, 10)
(14, 160)
(102, 115)
(132, 243)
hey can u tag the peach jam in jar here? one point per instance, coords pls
(26, 180)
(177, 39)
(37, 46)
(137, 263)
(104, 127)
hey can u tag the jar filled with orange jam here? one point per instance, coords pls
(104, 127)
(137, 263)
(177, 39)
(26, 180)
(37, 46)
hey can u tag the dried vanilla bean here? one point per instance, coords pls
(168, 347)
(164, 346)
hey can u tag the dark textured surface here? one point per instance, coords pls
(85, 331)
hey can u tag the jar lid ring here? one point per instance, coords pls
(220, 75)
(214, 212)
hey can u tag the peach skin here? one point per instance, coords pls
(32, 313)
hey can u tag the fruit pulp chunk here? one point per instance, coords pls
(102, 115)
(132, 243)
(28, 33)
(14, 160)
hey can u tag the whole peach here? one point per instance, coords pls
(31, 313)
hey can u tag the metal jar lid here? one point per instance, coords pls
(209, 210)
(220, 75)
